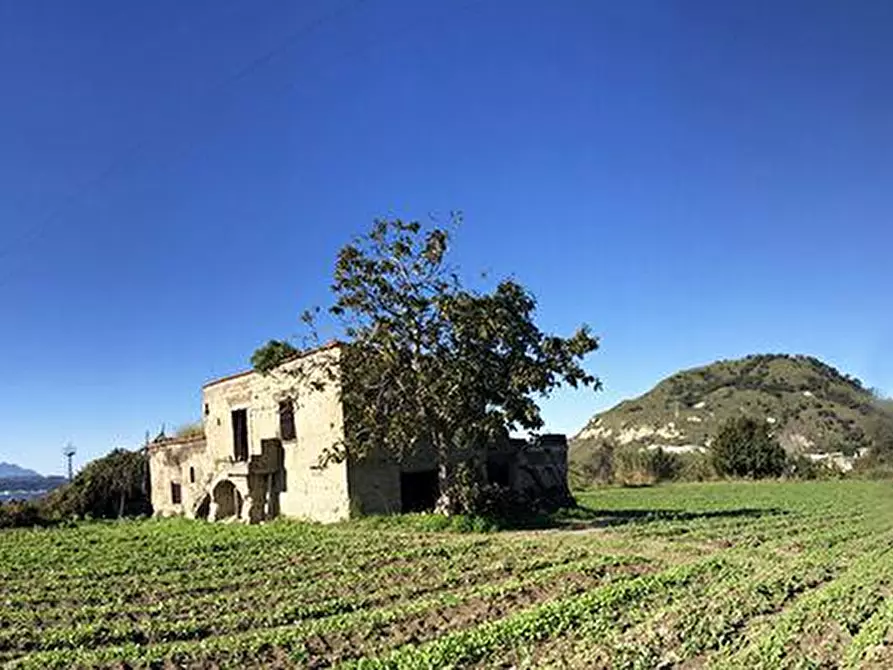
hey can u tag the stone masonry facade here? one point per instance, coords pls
(263, 436)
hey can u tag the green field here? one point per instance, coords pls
(725, 575)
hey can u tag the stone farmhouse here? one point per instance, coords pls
(259, 455)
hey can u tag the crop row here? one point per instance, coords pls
(228, 615)
(274, 587)
(845, 604)
(700, 616)
(159, 636)
(548, 620)
(213, 578)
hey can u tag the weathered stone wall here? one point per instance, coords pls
(310, 491)
(303, 489)
(170, 462)
(540, 469)
(294, 482)
(374, 481)
(374, 485)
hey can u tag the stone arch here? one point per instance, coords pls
(203, 509)
(226, 501)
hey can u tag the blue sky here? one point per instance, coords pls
(695, 180)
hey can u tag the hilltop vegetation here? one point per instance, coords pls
(810, 406)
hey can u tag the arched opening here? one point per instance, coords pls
(204, 507)
(227, 500)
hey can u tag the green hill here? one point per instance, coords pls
(812, 407)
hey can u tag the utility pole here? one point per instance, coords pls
(69, 452)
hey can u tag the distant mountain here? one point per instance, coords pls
(811, 407)
(12, 471)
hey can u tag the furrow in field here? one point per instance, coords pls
(388, 621)
(660, 631)
(664, 632)
(818, 628)
(413, 578)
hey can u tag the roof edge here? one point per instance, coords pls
(332, 344)
(174, 441)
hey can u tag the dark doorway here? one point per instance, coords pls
(240, 434)
(498, 472)
(273, 455)
(228, 500)
(419, 491)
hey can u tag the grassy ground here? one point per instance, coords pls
(725, 575)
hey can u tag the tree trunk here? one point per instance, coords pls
(449, 500)
(458, 487)
(446, 486)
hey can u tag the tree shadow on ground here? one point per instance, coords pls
(589, 517)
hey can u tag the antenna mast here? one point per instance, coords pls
(69, 453)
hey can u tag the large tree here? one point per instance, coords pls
(428, 361)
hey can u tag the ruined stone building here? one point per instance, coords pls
(259, 455)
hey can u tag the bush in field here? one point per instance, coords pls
(664, 465)
(695, 467)
(20, 513)
(634, 466)
(630, 465)
(880, 435)
(800, 467)
(114, 486)
(743, 447)
(593, 466)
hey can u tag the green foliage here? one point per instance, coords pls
(428, 523)
(663, 465)
(634, 466)
(21, 514)
(806, 401)
(273, 354)
(631, 465)
(881, 434)
(727, 574)
(801, 467)
(194, 429)
(744, 447)
(592, 463)
(695, 467)
(878, 463)
(113, 486)
(430, 362)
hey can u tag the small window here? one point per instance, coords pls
(207, 409)
(176, 493)
(240, 434)
(286, 420)
(191, 475)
